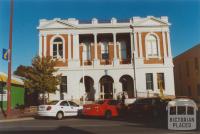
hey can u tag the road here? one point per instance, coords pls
(84, 126)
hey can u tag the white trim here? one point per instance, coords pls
(45, 45)
(164, 44)
(169, 45)
(76, 47)
(40, 45)
(51, 45)
(136, 45)
(131, 43)
(115, 43)
(69, 47)
(140, 45)
(95, 45)
(158, 43)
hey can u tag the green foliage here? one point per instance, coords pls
(40, 76)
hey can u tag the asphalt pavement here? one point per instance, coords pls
(85, 126)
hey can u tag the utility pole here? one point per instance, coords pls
(133, 60)
(10, 60)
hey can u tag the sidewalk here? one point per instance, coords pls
(17, 115)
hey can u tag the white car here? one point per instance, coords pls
(59, 109)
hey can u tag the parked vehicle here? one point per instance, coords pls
(148, 107)
(182, 108)
(59, 109)
(103, 108)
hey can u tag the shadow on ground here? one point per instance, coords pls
(60, 130)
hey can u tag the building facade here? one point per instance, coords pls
(187, 73)
(113, 56)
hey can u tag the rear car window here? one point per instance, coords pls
(52, 102)
(72, 104)
(64, 103)
(172, 111)
(181, 110)
(100, 102)
(190, 111)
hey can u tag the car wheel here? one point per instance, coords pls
(59, 115)
(108, 115)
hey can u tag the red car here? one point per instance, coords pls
(103, 108)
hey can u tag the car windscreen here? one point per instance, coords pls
(52, 102)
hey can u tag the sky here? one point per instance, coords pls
(184, 15)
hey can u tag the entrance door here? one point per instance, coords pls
(106, 86)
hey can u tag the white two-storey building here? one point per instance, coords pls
(113, 56)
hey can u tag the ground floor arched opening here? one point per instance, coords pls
(127, 85)
(106, 87)
(89, 88)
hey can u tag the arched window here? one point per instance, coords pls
(104, 50)
(86, 51)
(57, 48)
(152, 45)
(123, 54)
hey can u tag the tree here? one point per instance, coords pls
(40, 77)
(23, 71)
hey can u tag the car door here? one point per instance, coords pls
(73, 108)
(64, 106)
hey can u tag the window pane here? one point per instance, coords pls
(181, 110)
(61, 50)
(154, 48)
(190, 110)
(87, 51)
(57, 40)
(172, 111)
(123, 50)
(54, 50)
(149, 81)
(64, 103)
(160, 80)
(105, 56)
(63, 85)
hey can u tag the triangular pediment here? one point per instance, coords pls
(151, 22)
(58, 24)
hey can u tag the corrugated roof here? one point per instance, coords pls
(15, 80)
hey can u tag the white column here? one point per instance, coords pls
(169, 45)
(140, 45)
(40, 45)
(96, 88)
(45, 45)
(159, 50)
(135, 45)
(69, 47)
(76, 46)
(95, 46)
(164, 44)
(132, 50)
(115, 43)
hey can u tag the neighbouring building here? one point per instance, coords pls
(187, 73)
(132, 55)
(17, 91)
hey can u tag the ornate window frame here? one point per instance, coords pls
(51, 46)
(158, 43)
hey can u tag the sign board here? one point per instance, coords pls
(182, 114)
(3, 95)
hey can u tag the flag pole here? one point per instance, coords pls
(10, 60)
